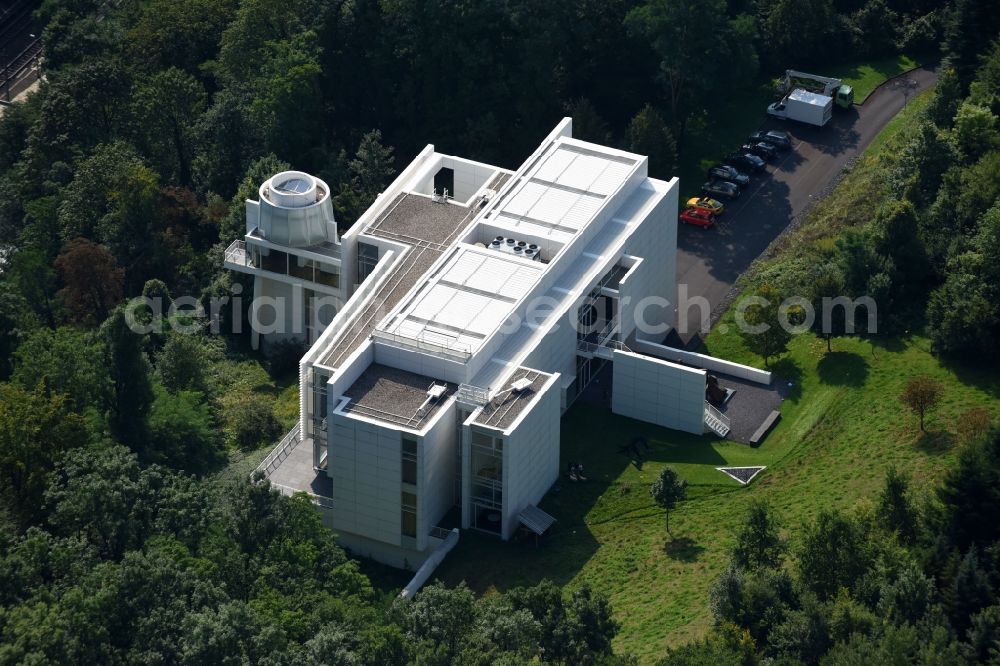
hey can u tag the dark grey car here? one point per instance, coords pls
(748, 161)
(780, 140)
(726, 172)
(721, 189)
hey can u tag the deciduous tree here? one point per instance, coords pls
(93, 281)
(921, 395)
(36, 430)
(762, 329)
(667, 490)
(649, 135)
(759, 544)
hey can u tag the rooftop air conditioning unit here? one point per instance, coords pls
(436, 391)
(521, 385)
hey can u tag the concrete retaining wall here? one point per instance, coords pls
(672, 354)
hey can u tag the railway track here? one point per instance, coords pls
(19, 48)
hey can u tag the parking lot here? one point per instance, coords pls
(710, 260)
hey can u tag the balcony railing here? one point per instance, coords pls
(236, 253)
(420, 342)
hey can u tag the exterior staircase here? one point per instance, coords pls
(716, 421)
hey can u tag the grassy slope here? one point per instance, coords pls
(744, 111)
(841, 428)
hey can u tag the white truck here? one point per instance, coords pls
(842, 94)
(803, 106)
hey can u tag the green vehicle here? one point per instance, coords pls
(842, 94)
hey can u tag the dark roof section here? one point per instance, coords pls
(411, 218)
(395, 396)
(507, 405)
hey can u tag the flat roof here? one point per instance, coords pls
(395, 396)
(563, 192)
(425, 224)
(411, 218)
(809, 97)
(466, 299)
(507, 405)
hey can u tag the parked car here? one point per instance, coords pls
(699, 217)
(748, 161)
(711, 205)
(726, 172)
(721, 189)
(780, 140)
(762, 150)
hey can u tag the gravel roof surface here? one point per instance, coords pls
(503, 411)
(394, 395)
(417, 217)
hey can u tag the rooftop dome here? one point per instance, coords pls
(295, 210)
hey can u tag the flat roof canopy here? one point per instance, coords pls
(467, 298)
(535, 519)
(564, 192)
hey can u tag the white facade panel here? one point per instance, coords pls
(531, 455)
(659, 392)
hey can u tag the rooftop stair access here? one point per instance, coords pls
(716, 421)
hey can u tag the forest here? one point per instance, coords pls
(124, 176)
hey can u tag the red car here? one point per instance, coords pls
(697, 216)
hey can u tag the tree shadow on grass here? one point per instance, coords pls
(935, 442)
(842, 368)
(683, 549)
(983, 375)
(786, 370)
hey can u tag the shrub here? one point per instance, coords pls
(251, 423)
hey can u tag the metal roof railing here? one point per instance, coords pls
(456, 349)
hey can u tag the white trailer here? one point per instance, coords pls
(805, 107)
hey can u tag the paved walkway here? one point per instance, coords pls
(296, 472)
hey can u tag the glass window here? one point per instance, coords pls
(408, 514)
(409, 460)
(367, 259)
(293, 186)
(328, 275)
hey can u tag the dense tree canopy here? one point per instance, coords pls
(125, 175)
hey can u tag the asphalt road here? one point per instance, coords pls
(710, 260)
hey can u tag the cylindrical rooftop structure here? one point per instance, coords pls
(295, 210)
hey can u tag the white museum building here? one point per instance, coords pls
(454, 323)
